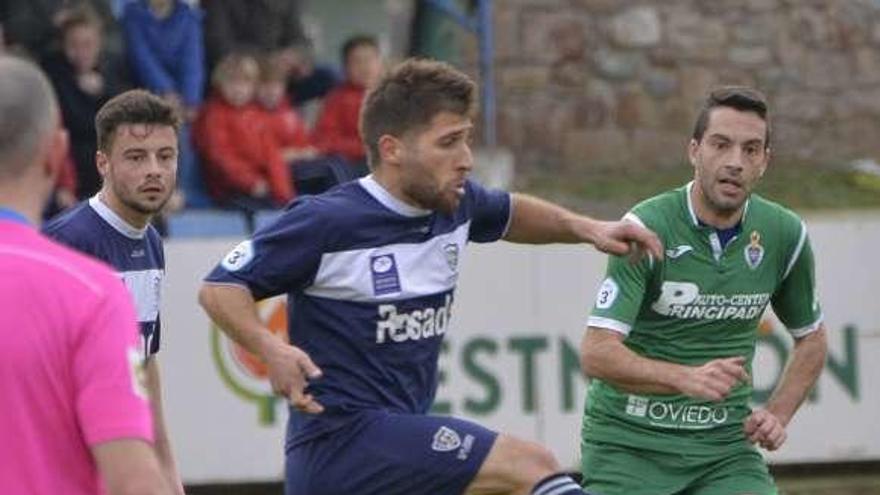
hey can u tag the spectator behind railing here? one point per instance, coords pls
(241, 162)
(167, 56)
(84, 77)
(336, 131)
(267, 26)
(33, 26)
(283, 122)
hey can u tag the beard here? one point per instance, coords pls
(427, 196)
(717, 201)
(421, 187)
(146, 208)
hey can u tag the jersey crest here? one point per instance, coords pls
(754, 252)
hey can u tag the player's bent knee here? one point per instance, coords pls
(517, 465)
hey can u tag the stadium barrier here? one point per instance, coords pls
(510, 357)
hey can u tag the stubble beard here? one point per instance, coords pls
(130, 201)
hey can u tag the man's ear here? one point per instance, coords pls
(102, 162)
(57, 153)
(693, 145)
(390, 150)
(766, 162)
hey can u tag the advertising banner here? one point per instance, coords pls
(510, 358)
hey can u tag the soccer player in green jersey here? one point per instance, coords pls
(670, 342)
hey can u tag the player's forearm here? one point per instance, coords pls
(801, 372)
(535, 221)
(234, 310)
(604, 356)
(164, 452)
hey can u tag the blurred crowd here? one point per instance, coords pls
(239, 71)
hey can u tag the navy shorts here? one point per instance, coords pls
(389, 454)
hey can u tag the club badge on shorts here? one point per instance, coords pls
(754, 251)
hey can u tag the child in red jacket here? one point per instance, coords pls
(283, 122)
(242, 163)
(336, 132)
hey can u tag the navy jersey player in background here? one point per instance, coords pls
(369, 269)
(137, 160)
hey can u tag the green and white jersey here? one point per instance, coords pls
(700, 303)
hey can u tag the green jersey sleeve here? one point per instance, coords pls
(796, 302)
(620, 295)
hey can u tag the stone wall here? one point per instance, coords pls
(617, 83)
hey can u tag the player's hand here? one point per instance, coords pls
(626, 238)
(289, 371)
(766, 429)
(715, 379)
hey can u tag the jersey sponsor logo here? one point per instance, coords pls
(754, 252)
(678, 251)
(607, 293)
(383, 269)
(414, 325)
(683, 300)
(145, 287)
(451, 252)
(676, 415)
(239, 257)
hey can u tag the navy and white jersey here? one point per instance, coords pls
(370, 284)
(136, 254)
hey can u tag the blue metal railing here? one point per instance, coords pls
(480, 23)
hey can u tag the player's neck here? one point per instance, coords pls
(132, 217)
(21, 198)
(711, 216)
(30, 211)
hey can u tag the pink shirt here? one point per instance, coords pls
(68, 352)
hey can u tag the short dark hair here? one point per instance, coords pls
(357, 41)
(133, 107)
(409, 97)
(80, 15)
(740, 98)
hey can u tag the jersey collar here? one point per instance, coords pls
(693, 214)
(115, 220)
(388, 200)
(13, 216)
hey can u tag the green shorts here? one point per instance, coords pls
(615, 470)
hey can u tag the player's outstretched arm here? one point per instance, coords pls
(766, 427)
(604, 356)
(535, 221)
(234, 310)
(129, 467)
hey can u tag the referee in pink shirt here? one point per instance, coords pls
(74, 418)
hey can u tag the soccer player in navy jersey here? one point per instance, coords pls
(369, 269)
(137, 160)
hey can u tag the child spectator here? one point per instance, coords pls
(284, 123)
(242, 164)
(336, 131)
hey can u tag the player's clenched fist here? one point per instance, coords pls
(766, 429)
(715, 379)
